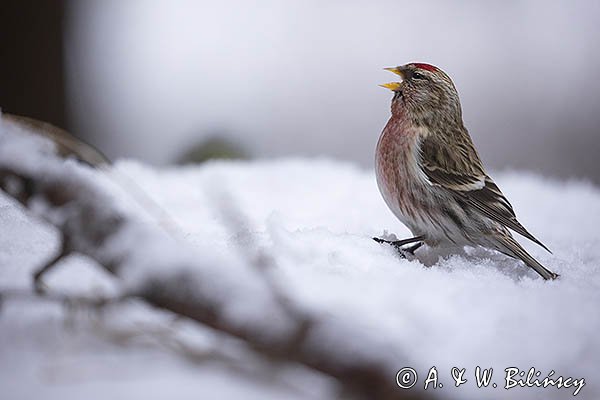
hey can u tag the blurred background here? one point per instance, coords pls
(162, 81)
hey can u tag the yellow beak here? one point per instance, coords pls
(395, 70)
(393, 86)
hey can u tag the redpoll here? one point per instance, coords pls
(430, 175)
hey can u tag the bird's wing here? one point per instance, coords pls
(456, 166)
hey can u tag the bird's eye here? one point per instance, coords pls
(418, 75)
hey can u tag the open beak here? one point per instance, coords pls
(396, 71)
(393, 86)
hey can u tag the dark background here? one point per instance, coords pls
(32, 80)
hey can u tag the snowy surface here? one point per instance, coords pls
(315, 217)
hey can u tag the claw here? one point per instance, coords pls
(399, 243)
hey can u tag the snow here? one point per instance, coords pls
(315, 218)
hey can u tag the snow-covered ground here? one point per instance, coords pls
(315, 217)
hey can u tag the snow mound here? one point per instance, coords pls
(316, 217)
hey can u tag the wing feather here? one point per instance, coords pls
(456, 166)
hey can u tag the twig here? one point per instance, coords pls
(38, 284)
(92, 227)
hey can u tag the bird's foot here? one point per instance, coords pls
(411, 249)
(403, 251)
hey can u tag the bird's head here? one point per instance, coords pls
(424, 90)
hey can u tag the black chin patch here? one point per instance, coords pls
(397, 95)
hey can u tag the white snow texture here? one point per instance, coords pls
(315, 217)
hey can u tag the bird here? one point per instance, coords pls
(432, 178)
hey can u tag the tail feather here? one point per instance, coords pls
(512, 248)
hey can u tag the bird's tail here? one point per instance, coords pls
(509, 246)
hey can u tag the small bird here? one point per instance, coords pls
(431, 177)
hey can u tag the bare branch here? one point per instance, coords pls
(168, 274)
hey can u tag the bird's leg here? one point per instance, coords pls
(413, 248)
(399, 243)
